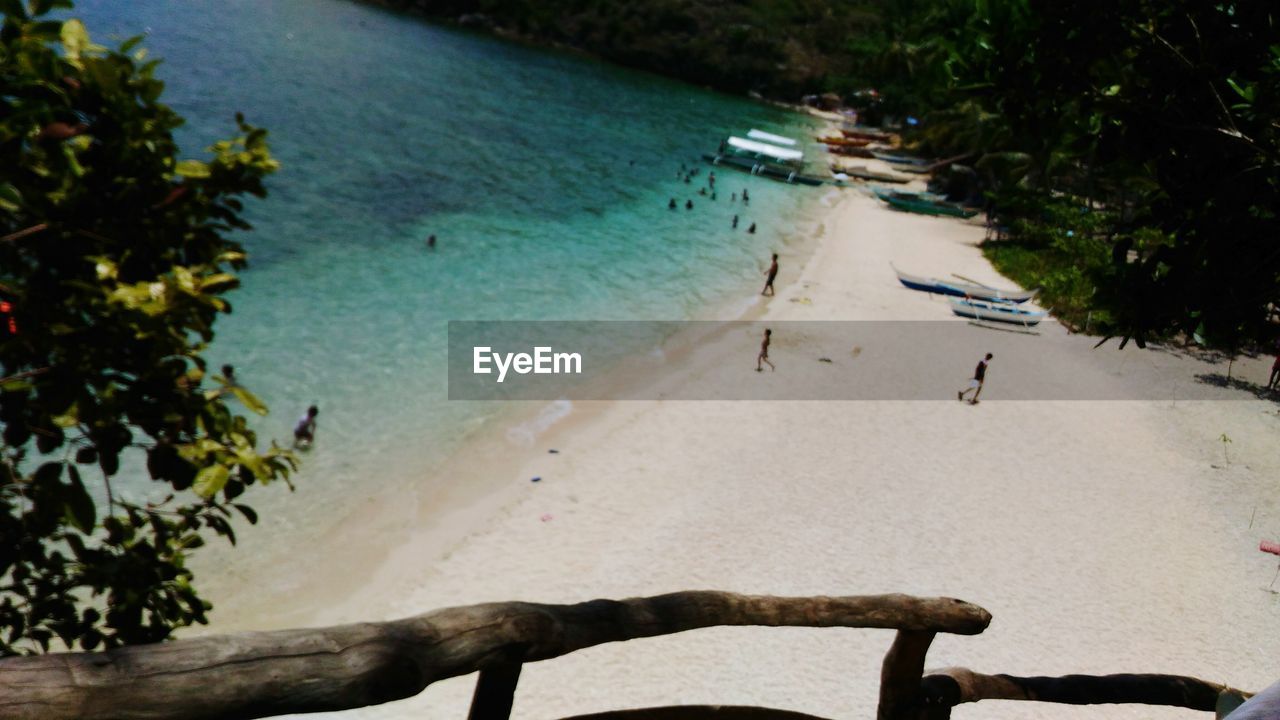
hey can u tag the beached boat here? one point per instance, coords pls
(843, 142)
(863, 173)
(929, 207)
(997, 312)
(866, 134)
(886, 193)
(781, 173)
(962, 290)
(900, 159)
(850, 151)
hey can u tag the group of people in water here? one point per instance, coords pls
(709, 190)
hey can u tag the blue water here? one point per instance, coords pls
(544, 175)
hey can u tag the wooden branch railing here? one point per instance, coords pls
(263, 674)
(253, 675)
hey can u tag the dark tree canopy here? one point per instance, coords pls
(114, 264)
(1133, 150)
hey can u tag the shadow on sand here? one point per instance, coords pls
(1261, 392)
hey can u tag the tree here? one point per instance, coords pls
(114, 263)
(1132, 149)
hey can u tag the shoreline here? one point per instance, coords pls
(484, 475)
(1096, 544)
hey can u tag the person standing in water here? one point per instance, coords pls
(752, 230)
(771, 273)
(763, 357)
(431, 242)
(304, 432)
(979, 377)
(735, 222)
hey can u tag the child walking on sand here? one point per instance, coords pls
(979, 377)
(763, 357)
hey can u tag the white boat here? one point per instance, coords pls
(771, 138)
(763, 151)
(962, 290)
(997, 312)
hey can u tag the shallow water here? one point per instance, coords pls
(545, 176)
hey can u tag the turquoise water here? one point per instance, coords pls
(545, 177)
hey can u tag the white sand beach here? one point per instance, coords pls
(1103, 536)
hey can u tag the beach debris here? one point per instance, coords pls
(857, 350)
(802, 300)
(554, 451)
(824, 359)
(536, 478)
(546, 517)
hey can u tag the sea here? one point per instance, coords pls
(544, 175)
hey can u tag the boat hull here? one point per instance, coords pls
(997, 312)
(862, 173)
(925, 207)
(756, 167)
(963, 290)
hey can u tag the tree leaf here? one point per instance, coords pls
(80, 508)
(210, 480)
(250, 400)
(192, 169)
(75, 39)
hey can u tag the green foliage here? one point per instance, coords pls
(115, 259)
(779, 48)
(1163, 113)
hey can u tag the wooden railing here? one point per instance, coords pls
(263, 674)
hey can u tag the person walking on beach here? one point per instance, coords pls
(979, 377)
(304, 432)
(771, 273)
(763, 357)
(1274, 382)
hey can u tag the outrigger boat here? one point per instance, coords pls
(843, 142)
(962, 290)
(886, 193)
(900, 159)
(929, 207)
(850, 151)
(771, 138)
(757, 167)
(757, 150)
(997, 312)
(863, 173)
(865, 134)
